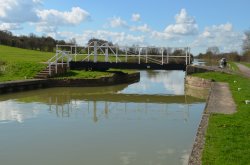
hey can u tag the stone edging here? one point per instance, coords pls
(198, 146)
(16, 86)
(119, 78)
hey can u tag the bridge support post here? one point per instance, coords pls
(162, 59)
(88, 52)
(167, 55)
(126, 58)
(189, 55)
(116, 54)
(146, 54)
(75, 52)
(139, 62)
(95, 51)
(186, 56)
(56, 61)
(106, 52)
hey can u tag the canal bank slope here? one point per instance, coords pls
(219, 101)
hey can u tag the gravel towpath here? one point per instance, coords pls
(244, 70)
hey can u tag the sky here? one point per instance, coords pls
(198, 24)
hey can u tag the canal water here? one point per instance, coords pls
(151, 122)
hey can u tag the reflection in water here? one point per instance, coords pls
(159, 82)
(107, 110)
(14, 111)
(121, 125)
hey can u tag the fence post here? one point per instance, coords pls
(95, 51)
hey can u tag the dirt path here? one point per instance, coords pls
(244, 70)
(221, 100)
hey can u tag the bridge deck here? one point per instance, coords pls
(79, 65)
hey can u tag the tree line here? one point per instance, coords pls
(213, 53)
(32, 41)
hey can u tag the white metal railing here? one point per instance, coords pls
(58, 59)
(95, 49)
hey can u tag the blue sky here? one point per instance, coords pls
(195, 23)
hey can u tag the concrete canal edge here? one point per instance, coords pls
(199, 84)
(218, 100)
(22, 85)
(120, 78)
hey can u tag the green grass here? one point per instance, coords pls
(12, 54)
(78, 74)
(228, 136)
(20, 70)
(19, 64)
(233, 66)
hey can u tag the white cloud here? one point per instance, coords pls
(143, 28)
(55, 17)
(184, 25)
(19, 11)
(117, 22)
(10, 26)
(161, 35)
(51, 20)
(222, 36)
(15, 12)
(136, 17)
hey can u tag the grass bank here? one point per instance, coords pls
(232, 66)
(227, 138)
(19, 64)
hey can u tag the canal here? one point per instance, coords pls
(151, 122)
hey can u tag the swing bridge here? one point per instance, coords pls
(102, 56)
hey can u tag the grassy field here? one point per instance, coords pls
(18, 64)
(228, 136)
(12, 54)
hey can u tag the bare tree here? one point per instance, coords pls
(213, 50)
(246, 42)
